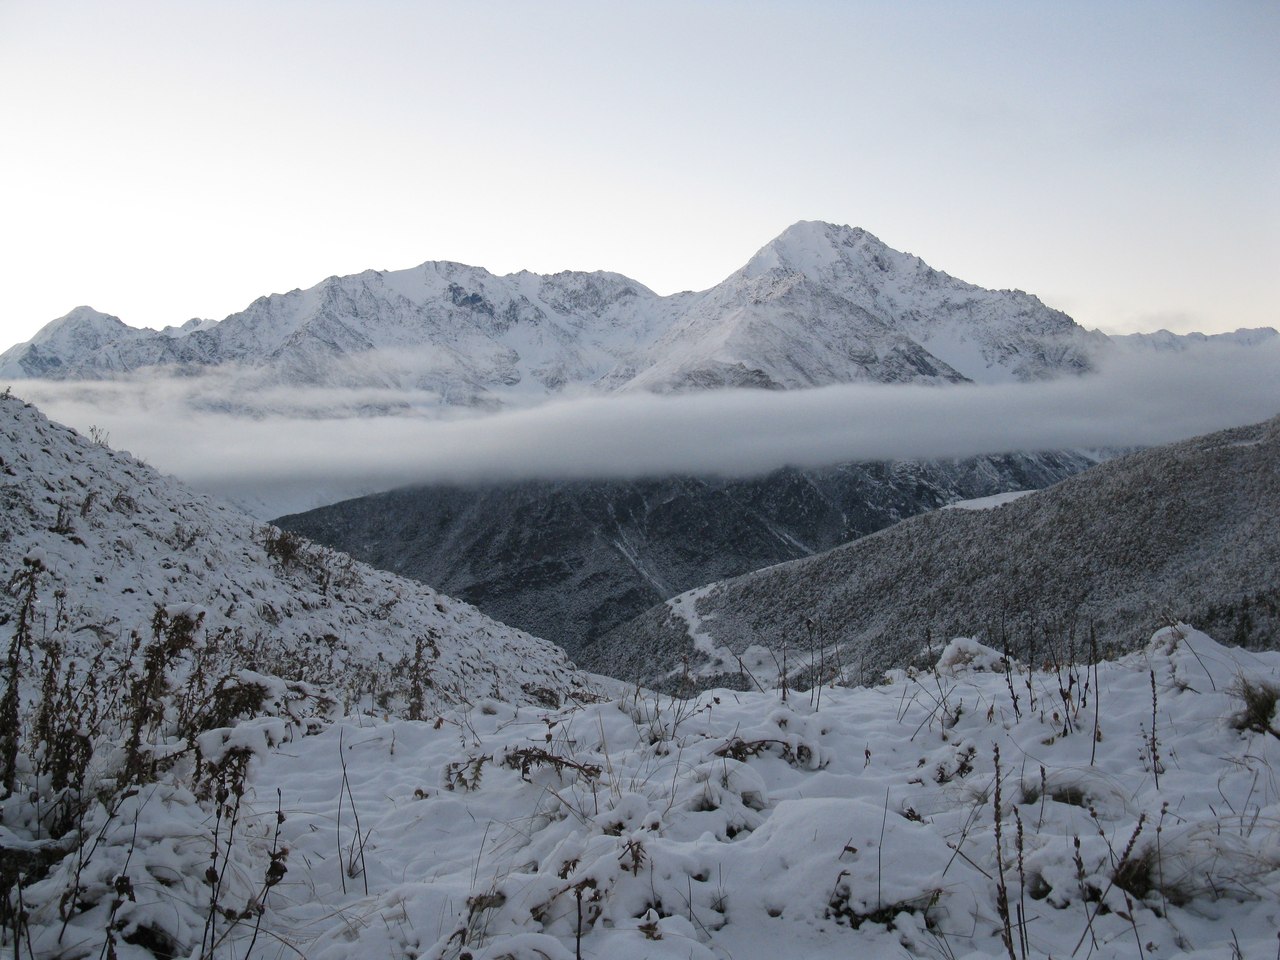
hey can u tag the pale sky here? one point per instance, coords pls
(165, 160)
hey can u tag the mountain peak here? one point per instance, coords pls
(812, 247)
(85, 314)
(83, 325)
(84, 310)
(834, 232)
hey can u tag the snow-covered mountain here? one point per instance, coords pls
(827, 304)
(445, 327)
(1165, 340)
(572, 560)
(820, 304)
(1188, 531)
(114, 541)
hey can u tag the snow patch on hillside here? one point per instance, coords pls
(988, 503)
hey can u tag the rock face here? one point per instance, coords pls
(572, 560)
(1190, 531)
(113, 541)
(820, 304)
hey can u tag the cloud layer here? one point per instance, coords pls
(318, 448)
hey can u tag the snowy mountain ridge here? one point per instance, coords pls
(819, 304)
(1179, 342)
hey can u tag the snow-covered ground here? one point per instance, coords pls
(1130, 812)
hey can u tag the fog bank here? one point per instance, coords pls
(316, 441)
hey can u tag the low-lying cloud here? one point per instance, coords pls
(402, 438)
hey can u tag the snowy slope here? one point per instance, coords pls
(116, 540)
(819, 304)
(263, 794)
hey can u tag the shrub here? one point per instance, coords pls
(1258, 706)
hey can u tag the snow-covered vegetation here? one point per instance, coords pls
(1126, 809)
(982, 808)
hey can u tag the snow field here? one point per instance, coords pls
(736, 825)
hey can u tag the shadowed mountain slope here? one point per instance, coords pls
(1189, 531)
(571, 560)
